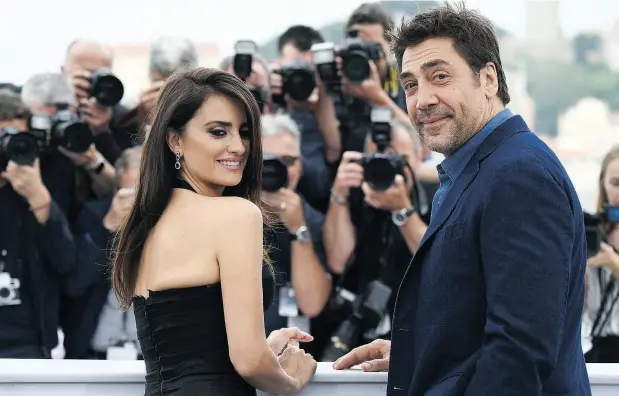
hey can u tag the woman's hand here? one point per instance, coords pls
(606, 257)
(280, 339)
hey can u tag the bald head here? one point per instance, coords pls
(87, 55)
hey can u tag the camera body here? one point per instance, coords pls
(18, 146)
(242, 62)
(594, 232)
(368, 309)
(298, 80)
(356, 55)
(381, 167)
(63, 129)
(106, 87)
(274, 173)
(9, 290)
(323, 56)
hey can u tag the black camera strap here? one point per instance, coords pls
(607, 287)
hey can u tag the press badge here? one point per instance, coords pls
(128, 351)
(288, 307)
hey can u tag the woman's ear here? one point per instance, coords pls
(174, 142)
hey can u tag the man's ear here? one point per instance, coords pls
(490, 80)
(175, 142)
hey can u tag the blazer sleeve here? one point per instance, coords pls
(526, 237)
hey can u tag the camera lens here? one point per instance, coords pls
(274, 175)
(106, 87)
(71, 133)
(356, 67)
(20, 147)
(379, 172)
(300, 84)
(4, 292)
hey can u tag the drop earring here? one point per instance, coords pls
(177, 164)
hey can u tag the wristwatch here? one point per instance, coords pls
(98, 166)
(400, 217)
(301, 235)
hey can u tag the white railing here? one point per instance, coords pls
(125, 378)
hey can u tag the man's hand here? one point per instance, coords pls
(148, 99)
(372, 357)
(288, 206)
(97, 117)
(606, 257)
(121, 205)
(370, 90)
(349, 173)
(81, 82)
(394, 198)
(26, 181)
(87, 159)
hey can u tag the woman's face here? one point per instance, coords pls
(215, 145)
(611, 182)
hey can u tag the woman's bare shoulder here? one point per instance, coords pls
(229, 213)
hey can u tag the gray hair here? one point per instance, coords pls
(408, 127)
(229, 60)
(130, 158)
(278, 124)
(48, 89)
(11, 106)
(169, 54)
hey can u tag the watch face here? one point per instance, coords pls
(303, 234)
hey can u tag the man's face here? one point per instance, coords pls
(291, 53)
(130, 178)
(446, 102)
(285, 147)
(86, 56)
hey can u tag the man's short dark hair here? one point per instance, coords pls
(370, 14)
(301, 36)
(11, 106)
(473, 35)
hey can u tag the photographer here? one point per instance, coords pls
(258, 78)
(36, 245)
(94, 327)
(81, 169)
(601, 313)
(373, 226)
(98, 93)
(303, 285)
(297, 88)
(382, 85)
(167, 55)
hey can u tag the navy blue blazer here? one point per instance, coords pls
(491, 302)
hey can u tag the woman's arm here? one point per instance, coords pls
(240, 266)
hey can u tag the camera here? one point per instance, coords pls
(594, 232)
(63, 129)
(244, 51)
(380, 168)
(274, 173)
(106, 87)
(298, 80)
(356, 55)
(9, 290)
(323, 56)
(21, 147)
(368, 309)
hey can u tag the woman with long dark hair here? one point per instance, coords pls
(190, 255)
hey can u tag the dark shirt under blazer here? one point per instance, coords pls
(491, 302)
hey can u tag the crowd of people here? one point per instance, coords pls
(124, 229)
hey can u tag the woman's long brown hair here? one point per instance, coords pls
(180, 98)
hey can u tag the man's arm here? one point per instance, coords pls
(56, 241)
(526, 240)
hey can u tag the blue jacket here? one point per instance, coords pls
(491, 302)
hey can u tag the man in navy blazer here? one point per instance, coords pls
(491, 302)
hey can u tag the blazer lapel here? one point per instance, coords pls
(510, 127)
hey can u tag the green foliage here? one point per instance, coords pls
(555, 86)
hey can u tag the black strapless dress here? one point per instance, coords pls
(183, 338)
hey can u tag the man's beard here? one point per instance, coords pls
(456, 134)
